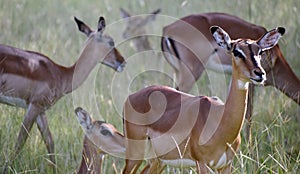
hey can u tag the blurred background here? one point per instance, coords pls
(48, 27)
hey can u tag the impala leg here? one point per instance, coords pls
(249, 113)
(225, 170)
(132, 166)
(156, 167)
(42, 124)
(201, 168)
(30, 117)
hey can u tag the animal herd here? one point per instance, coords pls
(165, 125)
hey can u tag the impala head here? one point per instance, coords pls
(102, 134)
(113, 58)
(246, 53)
(136, 25)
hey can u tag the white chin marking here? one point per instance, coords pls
(242, 84)
(119, 69)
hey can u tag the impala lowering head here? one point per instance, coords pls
(136, 24)
(112, 58)
(246, 53)
(102, 134)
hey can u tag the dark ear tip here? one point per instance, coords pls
(76, 19)
(157, 11)
(101, 18)
(78, 109)
(213, 29)
(281, 30)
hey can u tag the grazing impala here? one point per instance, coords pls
(169, 126)
(101, 138)
(31, 80)
(189, 61)
(135, 29)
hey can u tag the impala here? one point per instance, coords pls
(33, 81)
(195, 49)
(135, 29)
(100, 138)
(171, 127)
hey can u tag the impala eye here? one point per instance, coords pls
(236, 53)
(111, 43)
(105, 132)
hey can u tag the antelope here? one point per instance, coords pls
(33, 81)
(170, 127)
(193, 50)
(135, 29)
(100, 138)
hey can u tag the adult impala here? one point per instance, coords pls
(175, 128)
(195, 49)
(135, 29)
(31, 80)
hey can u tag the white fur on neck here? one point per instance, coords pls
(242, 84)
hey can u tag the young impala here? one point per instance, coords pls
(198, 51)
(100, 138)
(174, 128)
(33, 81)
(135, 29)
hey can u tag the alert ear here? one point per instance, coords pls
(153, 14)
(271, 38)
(83, 27)
(221, 37)
(84, 119)
(101, 25)
(124, 13)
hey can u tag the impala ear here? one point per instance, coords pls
(153, 14)
(221, 37)
(101, 25)
(271, 38)
(84, 118)
(124, 13)
(83, 27)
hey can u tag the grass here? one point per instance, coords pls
(47, 27)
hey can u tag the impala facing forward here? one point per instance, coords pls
(195, 49)
(31, 80)
(171, 127)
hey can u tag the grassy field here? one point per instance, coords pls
(48, 27)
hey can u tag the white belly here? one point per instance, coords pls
(13, 101)
(179, 162)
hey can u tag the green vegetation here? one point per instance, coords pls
(48, 27)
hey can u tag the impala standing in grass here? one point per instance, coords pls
(193, 50)
(175, 128)
(33, 81)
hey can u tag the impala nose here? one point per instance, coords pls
(259, 77)
(258, 73)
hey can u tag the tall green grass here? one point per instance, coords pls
(47, 27)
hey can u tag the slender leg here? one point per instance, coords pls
(249, 113)
(132, 166)
(156, 167)
(30, 117)
(42, 124)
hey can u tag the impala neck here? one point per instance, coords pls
(284, 79)
(235, 106)
(79, 72)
